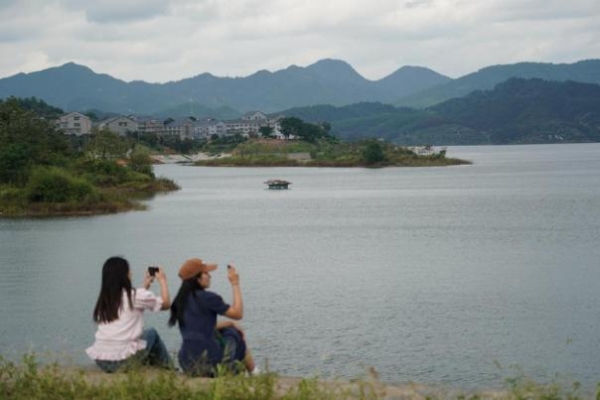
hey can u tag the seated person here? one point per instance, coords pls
(206, 343)
(120, 337)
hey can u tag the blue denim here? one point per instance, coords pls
(154, 354)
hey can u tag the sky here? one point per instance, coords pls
(169, 40)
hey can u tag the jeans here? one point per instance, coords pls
(234, 349)
(154, 354)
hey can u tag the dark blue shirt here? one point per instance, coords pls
(198, 331)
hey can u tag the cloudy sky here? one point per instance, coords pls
(163, 40)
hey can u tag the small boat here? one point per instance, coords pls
(277, 184)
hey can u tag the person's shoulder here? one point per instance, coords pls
(208, 294)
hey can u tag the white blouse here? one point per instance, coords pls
(119, 339)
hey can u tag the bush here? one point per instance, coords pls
(14, 160)
(140, 161)
(55, 185)
(373, 153)
(101, 172)
(10, 193)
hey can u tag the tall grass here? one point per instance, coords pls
(30, 379)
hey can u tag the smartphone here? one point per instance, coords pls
(152, 270)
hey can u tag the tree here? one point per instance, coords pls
(303, 130)
(27, 139)
(140, 160)
(91, 115)
(290, 126)
(105, 144)
(373, 153)
(266, 131)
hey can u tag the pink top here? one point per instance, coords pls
(119, 339)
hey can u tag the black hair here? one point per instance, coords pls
(115, 279)
(188, 286)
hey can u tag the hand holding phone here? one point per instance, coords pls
(232, 274)
(152, 270)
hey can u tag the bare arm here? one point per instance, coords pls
(236, 310)
(164, 289)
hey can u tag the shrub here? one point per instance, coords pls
(102, 172)
(373, 153)
(55, 185)
(14, 160)
(140, 161)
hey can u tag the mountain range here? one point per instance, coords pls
(77, 88)
(515, 111)
(516, 103)
(586, 71)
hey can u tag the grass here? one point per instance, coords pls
(30, 379)
(278, 153)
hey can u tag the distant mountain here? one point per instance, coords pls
(76, 87)
(515, 111)
(587, 71)
(528, 111)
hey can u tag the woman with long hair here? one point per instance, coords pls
(120, 335)
(207, 343)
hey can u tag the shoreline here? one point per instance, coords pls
(370, 387)
(34, 378)
(297, 160)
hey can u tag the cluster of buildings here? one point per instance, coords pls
(75, 123)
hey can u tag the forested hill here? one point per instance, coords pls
(75, 87)
(516, 111)
(586, 71)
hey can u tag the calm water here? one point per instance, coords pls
(436, 275)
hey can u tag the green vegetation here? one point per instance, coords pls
(585, 71)
(43, 172)
(30, 379)
(327, 152)
(315, 146)
(517, 111)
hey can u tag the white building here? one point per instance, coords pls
(150, 125)
(204, 129)
(181, 127)
(75, 123)
(121, 125)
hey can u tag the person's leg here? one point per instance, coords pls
(249, 362)
(156, 353)
(109, 366)
(229, 351)
(236, 350)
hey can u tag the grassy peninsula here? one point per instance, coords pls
(46, 173)
(313, 145)
(326, 152)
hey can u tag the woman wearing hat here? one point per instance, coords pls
(121, 337)
(207, 343)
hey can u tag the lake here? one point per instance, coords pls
(440, 275)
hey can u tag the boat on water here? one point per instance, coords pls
(277, 184)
